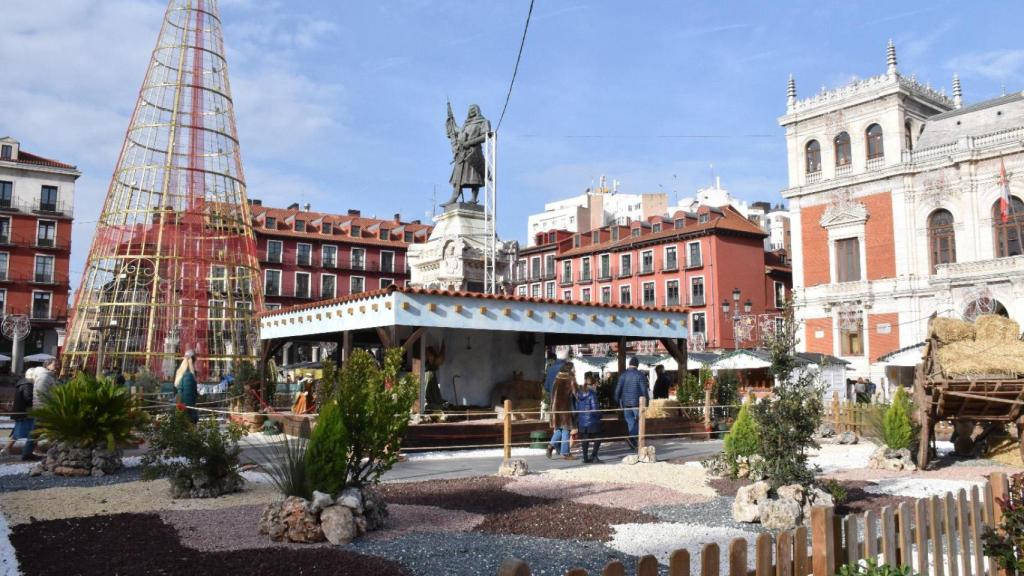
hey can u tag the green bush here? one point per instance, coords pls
(88, 412)
(898, 427)
(870, 567)
(743, 438)
(726, 393)
(691, 392)
(286, 465)
(362, 419)
(201, 459)
(836, 490)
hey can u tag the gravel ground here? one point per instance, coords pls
(16, 482)
(204, 530)
(965, 473)
(663, 539)
(715, 513)
(53, 503)
(859, 500)
(8, 558)
(563, 520)
(834, 457)
(688, 478)
(629, 496)
(915, 487)
(478, 495)
(476, 554)
(728, 486)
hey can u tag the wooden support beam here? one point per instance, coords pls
(386, 335)
(622, 355)
(413, 338)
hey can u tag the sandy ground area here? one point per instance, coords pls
(688, 478)
(631, 496)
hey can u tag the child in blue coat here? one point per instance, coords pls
(588, 419)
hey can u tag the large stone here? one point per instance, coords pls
(631, 459)
(885, 458)
(846, 438)
(745, 505)
(648, 455)
(816, 497)
(338, 525)
(826, 431)
(320, 501)
(271, 522)
(780, 513)
(375, 509)
(794, 492)
(514, 467)
(352, 499)
(301, 522)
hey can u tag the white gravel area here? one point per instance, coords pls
(833, 457)
(662, 539)
(490, 453)
(688, 478)
(918, 487)
(8, 560)
(15, 468)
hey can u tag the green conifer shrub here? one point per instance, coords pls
(898, 427)
(743, 438)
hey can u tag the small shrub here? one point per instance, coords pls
(691, 392)
(286, 466)
(836, 490)
(743, 438)
(327, 456)
(201, 460)
(1004, 545)
(88, 412)
(726, 394)
(898, 428)
(870, 567)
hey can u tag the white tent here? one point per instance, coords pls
(38, 358)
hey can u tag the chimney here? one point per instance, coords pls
(398, 218)
(352, 212)
(255, 202)
(293, 206)
(416, 222)
(306, 206)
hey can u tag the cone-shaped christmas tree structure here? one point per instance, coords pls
(173, 264)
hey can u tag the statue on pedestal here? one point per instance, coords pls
(469, 167)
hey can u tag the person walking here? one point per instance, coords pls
(562, 391)
(632, 386)
(186, 386)
(23, 423)
(588, 419)
(43, 380)
(661, 382)
(556, 362)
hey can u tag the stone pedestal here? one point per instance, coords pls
(453, 256)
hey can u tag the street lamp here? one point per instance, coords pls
(736, 294)
(747, 306)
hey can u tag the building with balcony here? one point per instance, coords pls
(36, 214)
(710, 262)
(894, 194)
(307, 256)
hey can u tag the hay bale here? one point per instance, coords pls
(949, 330)
(996, 328)
(982, 358)
(663, 408)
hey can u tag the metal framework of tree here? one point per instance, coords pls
(173, 262)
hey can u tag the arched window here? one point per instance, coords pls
(842, 144)
(874, 138)
(1009, 234)
(941, 239)
(908, 136)
(813, 156)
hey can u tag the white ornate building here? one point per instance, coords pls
(894, 200)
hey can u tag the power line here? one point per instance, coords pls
(516, 69)
(645, 136)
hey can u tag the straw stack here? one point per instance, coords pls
(992, 349)
(949, 330)
(996, 328)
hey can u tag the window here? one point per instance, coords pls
(535, 290)
(874, 141)
(812, 153)
(274, 249)
(46, 233)
(698, 323)
(521, 290)
(648, 294)
(407, 237)
(215, 313)
(908, 136)
(243, 280)
(3, 301)
(6, 193)
(535, 267)
(656, 228)
(575, 240)
(566, 294)
(852, 338)
(780, 295)
(1008, 234)
(671, 259)
(5, 230)
(848, 260)
(327, 228)
(272, 283)
(303, 254)
(302, 284)
(272, 306)
(672, 293)
(635, 232)
(697, 291)
(549, 290)
(358, 258)
(48, 199)
(44, 269)
(387, 261)
(384, 234)
(941, 238)
(4, 261)
(842, 146)
(703, 218)
(300, 225)
(385, 282)
(606, 294)
(615, 233)
(693, 259)
(549, 266)
(329, 256)
(328, 286)
(595, 237)
(6, 151)
(356, 232)
(680, 222)
(625, 265)
(218, 279)
(270, 223)
(585, 269)
(647, 262)
(41, 304)
(567, 271)
(624, 295)
(356, 284)
(585, 295)
(606, 266)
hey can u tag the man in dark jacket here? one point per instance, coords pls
(661, 382)
(632, 385)
(23, 423)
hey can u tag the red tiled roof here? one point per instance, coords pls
(457, 294)
(29, 158)
(337, 221)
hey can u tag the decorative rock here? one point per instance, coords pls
(648, 455)
(745, 506)
(826, 431)
(70, 471)
(360, 522)
(514, 467)
(302, 525)
(320, 501)
(794, 492)
(816, 497)
(271, 523)
(846, 438)
(631, 459)
(885, 458)
(65, 459)
(376, 509)
(780, 514)
(338, 525)
(352, 499)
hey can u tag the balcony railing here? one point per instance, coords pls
(566, 280)
(604, 275)
(694, 263)
(64, 209)
(626, 272)
(993, 267)
(585, 277)
(43, 278)
(695, 301)
(647, 269)
(814, 177)
(672, 301)
(875, 163)
(844, 170)
(670, 266)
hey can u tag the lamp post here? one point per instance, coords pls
(735, 307)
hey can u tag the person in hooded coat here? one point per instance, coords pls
(562, 393)
(186, 386)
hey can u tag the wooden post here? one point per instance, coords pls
(642, 427)
(423, 374)
(999, 489)
(508, 429)
(835, 411)
(708, 403)
(622, 356)
(822, 543)
(738, 557)
(678, 564)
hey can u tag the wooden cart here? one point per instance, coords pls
(991, 401)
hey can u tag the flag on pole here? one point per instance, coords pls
(1004, 193)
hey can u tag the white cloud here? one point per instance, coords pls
(996, 64)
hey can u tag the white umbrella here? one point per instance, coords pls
(5, 358)
(38, 358)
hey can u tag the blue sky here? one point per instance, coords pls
(341, 104)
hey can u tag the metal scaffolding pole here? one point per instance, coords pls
(490, 214)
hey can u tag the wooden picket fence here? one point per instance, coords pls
(845, 416)
(938, 536)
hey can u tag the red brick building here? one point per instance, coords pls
(703, 262)
(36, 214)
